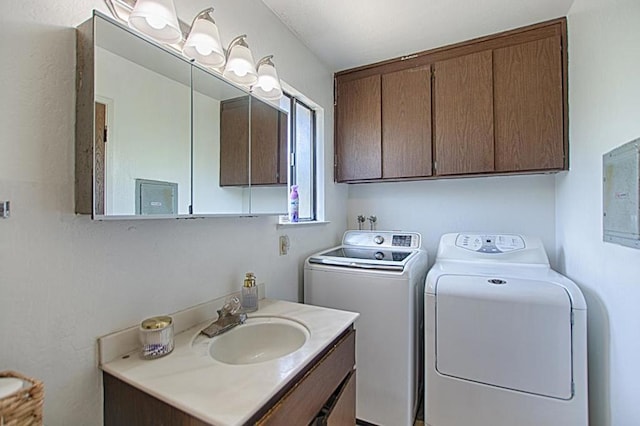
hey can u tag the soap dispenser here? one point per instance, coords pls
(249, 293)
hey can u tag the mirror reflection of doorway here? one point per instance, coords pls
(100, 148)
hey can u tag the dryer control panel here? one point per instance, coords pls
(493, 244)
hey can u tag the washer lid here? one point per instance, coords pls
(511, 333)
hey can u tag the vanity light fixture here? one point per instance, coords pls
(157, 19)
(268, 85)
(203, 42)
(240, 68)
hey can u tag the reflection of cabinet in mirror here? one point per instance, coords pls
(268, 143)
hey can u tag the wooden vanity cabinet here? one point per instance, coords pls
(309, 399)
(323, 393)
(498, 106)
(268, 143)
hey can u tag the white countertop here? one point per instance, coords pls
(224, 394)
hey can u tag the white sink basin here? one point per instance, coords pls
(259, 339)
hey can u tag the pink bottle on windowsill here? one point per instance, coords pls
(293, 204)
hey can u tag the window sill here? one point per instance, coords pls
(301, 224)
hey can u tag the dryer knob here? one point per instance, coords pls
(378, 239)
(379, 255)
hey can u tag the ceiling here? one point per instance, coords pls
(348, 33)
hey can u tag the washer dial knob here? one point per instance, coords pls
(378, 239)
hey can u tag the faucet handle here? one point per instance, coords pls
(231, 307)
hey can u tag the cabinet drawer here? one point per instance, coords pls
(342, 409)
(307, 397)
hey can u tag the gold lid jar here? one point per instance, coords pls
(156, 337)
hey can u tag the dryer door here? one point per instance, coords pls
(512, 333)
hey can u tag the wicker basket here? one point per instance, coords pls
(24, 406)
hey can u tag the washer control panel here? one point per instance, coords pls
(390, 239)
(492, 244)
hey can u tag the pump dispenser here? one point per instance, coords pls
(249, 293)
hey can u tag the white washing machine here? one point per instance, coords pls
(505, 336)
(381, 275)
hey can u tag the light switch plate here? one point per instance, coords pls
(4, 209)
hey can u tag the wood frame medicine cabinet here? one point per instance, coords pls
(153, 134)
(493, 105)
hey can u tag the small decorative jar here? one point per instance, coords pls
(156, 336)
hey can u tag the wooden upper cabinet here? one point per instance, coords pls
(358, 129)
(463, 108)
(406, 123)
(265, 143)
(234, 142)
(493, 105)
(268, 143)
(528, 106)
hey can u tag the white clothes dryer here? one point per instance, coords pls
(505, 336)
(381, 275)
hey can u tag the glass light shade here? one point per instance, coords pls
(157, 19)
(241, 67)
(203, 44)
(268, 85)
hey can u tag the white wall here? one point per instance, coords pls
(149, 133)
(509, 204)
(65, 280)
(208, 195)
(604, 99)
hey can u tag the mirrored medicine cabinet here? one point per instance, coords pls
(158, 136)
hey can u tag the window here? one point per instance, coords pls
(302, 149)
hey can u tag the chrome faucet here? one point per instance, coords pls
(228, 317)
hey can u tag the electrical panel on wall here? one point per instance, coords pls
(621, 195)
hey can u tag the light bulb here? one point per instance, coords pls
(155, 22)
(203, 49)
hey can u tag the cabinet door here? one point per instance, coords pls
(265, 141)
(464, 114)
(343, 408)
(283, 147)
(234, 142)
(529, 106)
(406, 123)
(358, 129)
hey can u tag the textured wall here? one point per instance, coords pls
(604, 94)
(508, 204)
(65, 280)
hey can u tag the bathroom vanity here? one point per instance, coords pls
(191, 386)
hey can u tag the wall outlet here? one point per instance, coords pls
(4, 209)
(284, 245)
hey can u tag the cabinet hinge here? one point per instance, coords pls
(404, 58)
(104, 136)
